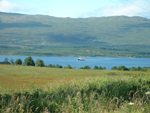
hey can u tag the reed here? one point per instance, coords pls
(49, 90)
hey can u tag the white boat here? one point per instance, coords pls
(81, 59)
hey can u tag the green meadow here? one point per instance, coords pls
(27, 89)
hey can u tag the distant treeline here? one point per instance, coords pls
(40, 63)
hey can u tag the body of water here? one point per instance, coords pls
(107, 62)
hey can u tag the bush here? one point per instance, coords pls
(68, 67)
(86, 67)
(29, 61)
(99, 68)
(130, 69)
(139, 68)
(18, 62)
(55, 66)
(123, 68)
(6, 61)
(39, 63)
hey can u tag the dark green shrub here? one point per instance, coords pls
(6, 61)
(138, 68)
(29, 61)
(68, 67)
(55, 66)
(39, 63)
(85, 67)
(123, 68)
(18, 62)
(99, 68)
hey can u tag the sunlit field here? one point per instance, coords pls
(27, 89)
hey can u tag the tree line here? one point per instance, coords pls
(27, 62)
(40, 63)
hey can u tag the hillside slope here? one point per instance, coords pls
(96, 36)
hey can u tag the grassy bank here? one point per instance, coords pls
(35, 89)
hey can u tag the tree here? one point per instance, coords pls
(99, 68)
(96, 67)
(123, 68)
(18, 62)
(29, 61)
(86, 67)
(39, 63)
(6, 60)
(68, 67)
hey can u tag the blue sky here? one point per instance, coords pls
(78, 8)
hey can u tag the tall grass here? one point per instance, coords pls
(85, 91)
(94, 97)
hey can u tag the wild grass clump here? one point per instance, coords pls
(93, 97)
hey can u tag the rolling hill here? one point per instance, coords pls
(22, 34)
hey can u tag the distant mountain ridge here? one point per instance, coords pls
(94, 36)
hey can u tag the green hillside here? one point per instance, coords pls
(96, 36)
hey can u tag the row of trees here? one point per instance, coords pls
(121, 68)
(28, 62)
(124, 68)
(59, 66)
(95, 67)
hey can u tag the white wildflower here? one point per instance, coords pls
(147, 93)
(130, 103)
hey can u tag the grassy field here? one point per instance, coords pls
(25, 89)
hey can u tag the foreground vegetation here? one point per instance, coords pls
(27, 89)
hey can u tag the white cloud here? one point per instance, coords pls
(9, 6)
(132, 8)
(6, 6)
(121, 10)
(135, 8)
